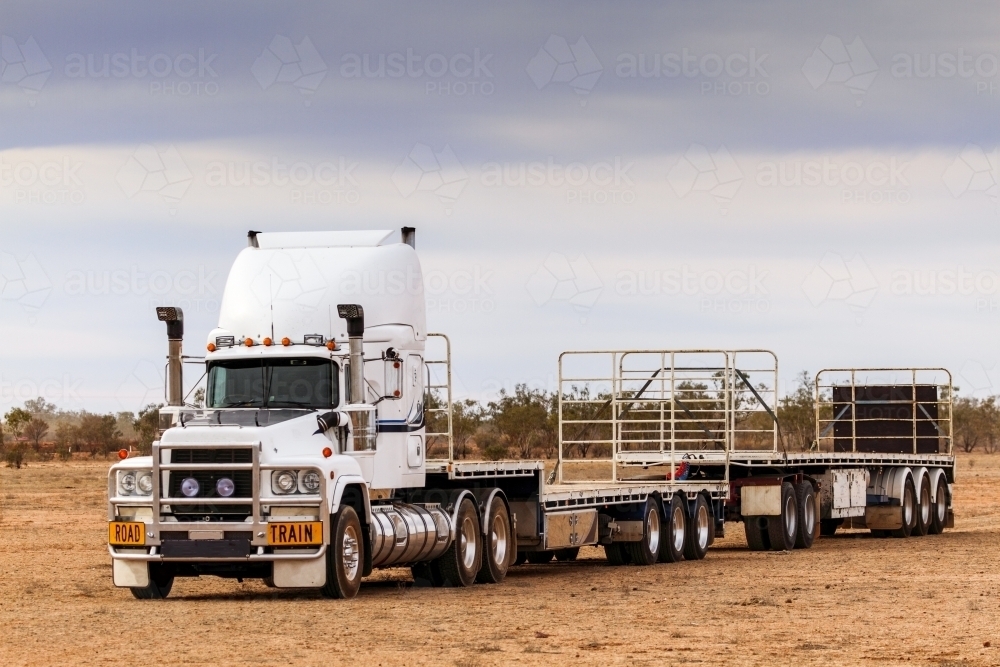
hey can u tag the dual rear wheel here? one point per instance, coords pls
(672, 532)
(794, 528)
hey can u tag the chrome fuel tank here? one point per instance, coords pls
(404, 534)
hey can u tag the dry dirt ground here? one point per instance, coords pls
(851, 600)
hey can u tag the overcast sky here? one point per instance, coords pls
(819, 180)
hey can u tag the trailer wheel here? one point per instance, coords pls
(617, 554)
(783, 530)
(674, 532)
(756, 530)
(460, 563)
(828, 527)
(924, 509)
(496, 551)
(567, 555)
(939, 515)
(908, 505)
(806, 508)
(647, 550)
(160, 583)
(345, 556)
(699, 530)
(540, 557)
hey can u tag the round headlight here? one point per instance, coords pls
(284, 481)
(190, 487)
(310, 481)
(145, 484)
(225, 487)
(128, 482)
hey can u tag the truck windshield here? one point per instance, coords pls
(272, 383)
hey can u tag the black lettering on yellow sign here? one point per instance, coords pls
(294, 533)
(121, 532)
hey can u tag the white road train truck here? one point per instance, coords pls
(307, 464)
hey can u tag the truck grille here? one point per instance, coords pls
(243, 480)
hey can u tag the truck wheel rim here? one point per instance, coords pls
(498, 540)
(809, 520)
(925, 505)
(941, 506)
(467, 543)
(653, 531)
(908, 507)
(702, 526)
(791, 521)
(677, 524)
(349, 552)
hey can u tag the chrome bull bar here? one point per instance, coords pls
(256, 523)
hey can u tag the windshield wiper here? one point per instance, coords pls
(292, 404)
(239, 404)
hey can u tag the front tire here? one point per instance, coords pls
(497, 555)
(460, 563)
(345, 557)
(160, 583)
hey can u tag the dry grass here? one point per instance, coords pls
(854, 600)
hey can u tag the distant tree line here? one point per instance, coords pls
(41, 431)
(522, 424)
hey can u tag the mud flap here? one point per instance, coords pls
(884, 517)
(130, 573)
(300, 573)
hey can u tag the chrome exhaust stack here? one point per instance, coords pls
(364, 420)
(174, 317)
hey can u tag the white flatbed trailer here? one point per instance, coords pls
(659, 418)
